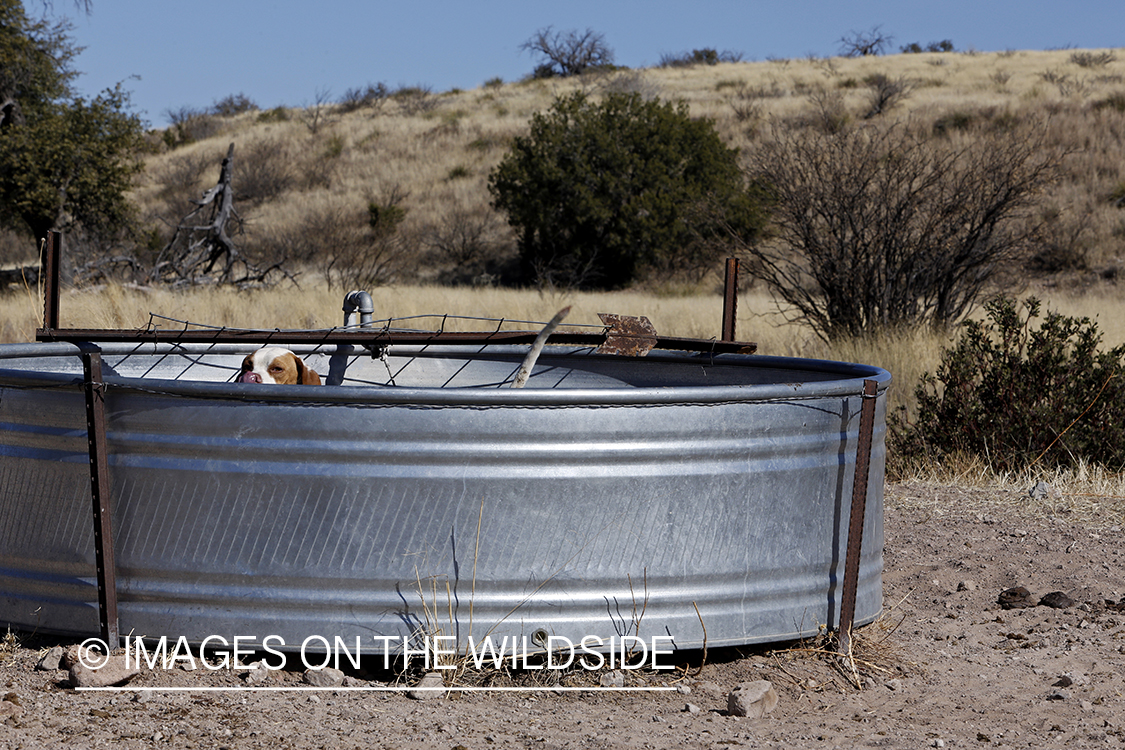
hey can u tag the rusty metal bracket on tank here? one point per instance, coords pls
(858, 511)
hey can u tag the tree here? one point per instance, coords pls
(869, 43)
(599, 193)
(568, 54)
(881, 227)
(64, 161)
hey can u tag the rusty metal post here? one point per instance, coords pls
(730, 299)
(51, 268)
(99, 492)
(858, 511)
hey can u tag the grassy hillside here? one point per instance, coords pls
(306, 177)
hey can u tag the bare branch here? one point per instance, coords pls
(878, 228)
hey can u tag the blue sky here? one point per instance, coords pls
(190, 54)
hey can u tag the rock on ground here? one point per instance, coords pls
(752, 699)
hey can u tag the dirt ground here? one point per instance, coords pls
(945, 666)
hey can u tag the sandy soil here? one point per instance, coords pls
(946, 666)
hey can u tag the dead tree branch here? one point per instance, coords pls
(202, 250)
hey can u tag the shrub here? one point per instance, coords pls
(334, 147)
(354, 249)
(179, 180)
(458, 172)
(371, 97)
(747, 106)
(600, 193)
(1014, 395)
(1092, 59)
(189, 124)
(958, 120)
(318, 114)
(263, 171)
(884, 228)
(384, 217)
(945, 45)
(232, 105)
(631, 82)
(485, 143)
(468, 242)
(1115, 101)
(885, 93)
(705, 56)
(830, 114)
(277, 114)
(1062, 243)
(415, 100)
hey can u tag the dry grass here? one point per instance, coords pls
(9, 646)
(698, 314)
(316, 306)
(1087, 494)
(440, 155)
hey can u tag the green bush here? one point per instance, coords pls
(944, 45)
(233, 105)
(602, 193)
(1009, 394)
(277, 114)
(705, 56)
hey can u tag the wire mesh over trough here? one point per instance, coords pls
(695, 496)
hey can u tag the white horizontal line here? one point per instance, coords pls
(310, 688)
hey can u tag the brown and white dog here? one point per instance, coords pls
(276, 366)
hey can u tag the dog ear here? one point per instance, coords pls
(305, 375)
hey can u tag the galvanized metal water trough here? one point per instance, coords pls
(694, 495)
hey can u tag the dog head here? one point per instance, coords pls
(277, 366)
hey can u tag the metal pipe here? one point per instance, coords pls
(730, 299)
(361, 301)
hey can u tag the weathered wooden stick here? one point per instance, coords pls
(529, 361)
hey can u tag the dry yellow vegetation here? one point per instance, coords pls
(438, 149)
(906, 355)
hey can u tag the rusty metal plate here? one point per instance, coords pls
(628, 335)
